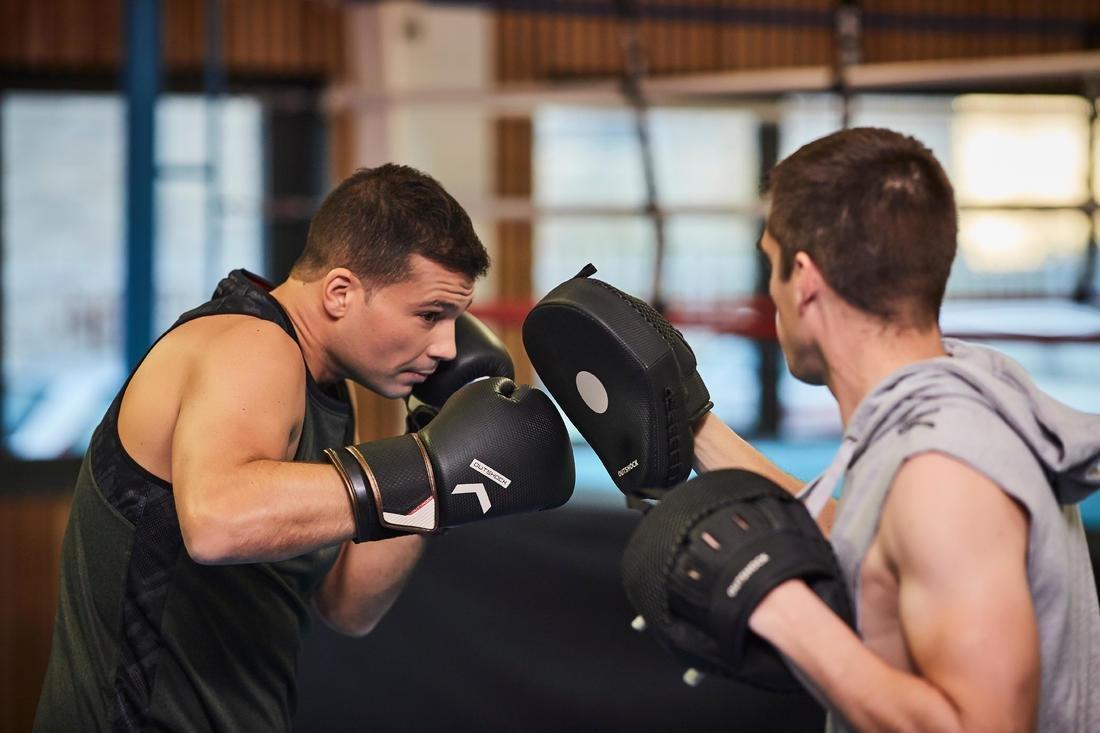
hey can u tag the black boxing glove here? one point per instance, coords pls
(480, 354)
(702, 560)
(494, 449)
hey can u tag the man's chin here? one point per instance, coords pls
(805, 364)
(397, 391)
(807, 374)
(812, 378)
(391, 389)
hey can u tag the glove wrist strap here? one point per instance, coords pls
(356, 488)
(401, 482)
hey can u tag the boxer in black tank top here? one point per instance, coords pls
(205, 519)
(187, 632)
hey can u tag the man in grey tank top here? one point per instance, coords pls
(957, 528)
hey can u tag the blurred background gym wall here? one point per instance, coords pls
(146, 148)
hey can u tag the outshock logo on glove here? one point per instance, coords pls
(628, 468)
(747, 572)
(490, 473)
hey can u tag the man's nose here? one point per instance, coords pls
(443, 347)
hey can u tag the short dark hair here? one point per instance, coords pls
(876, 213)
(378, 217)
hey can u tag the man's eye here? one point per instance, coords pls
(430, 316)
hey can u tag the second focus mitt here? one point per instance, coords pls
(702, 560)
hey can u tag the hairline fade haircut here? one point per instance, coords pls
(875, 211)
(377, 218)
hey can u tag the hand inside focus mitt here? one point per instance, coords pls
(624, 376)
(703, 558)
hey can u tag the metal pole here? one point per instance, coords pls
(634, 70)
(142, 82)
(4, 451)
(1086, 282)
(214, 91)
(769, 415)
(849, 53)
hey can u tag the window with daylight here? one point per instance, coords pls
(590, 189)
(1020, 166)
(63, 234)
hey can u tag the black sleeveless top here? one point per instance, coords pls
(145, 638)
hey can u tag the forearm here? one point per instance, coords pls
(365, 581)
(263, 511)
(866, 691)
(717, 446)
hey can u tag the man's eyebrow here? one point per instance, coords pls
(760, 243)
(441, 304)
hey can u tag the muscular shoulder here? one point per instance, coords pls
(207, 351)
(232, 347)
(250, 366)
(981, 444)
(938, 502)
(242, 343)
(933, 475)
(958, 419)
(244, 396)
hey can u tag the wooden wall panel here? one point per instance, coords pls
(31, 528)
(10, 19)
(512, 179)
(512, 270)
(74, 42)
(183, 39)
(685, 36)
(377, 417)
(990, 28)
(304, 37)
(294, 38)
(512, 157)
(108, 35)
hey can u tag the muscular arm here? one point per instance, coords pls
(717, 446)
(238, 497)
(366, 578)
(365, 581)
(958, 547)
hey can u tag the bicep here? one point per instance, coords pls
(958, 544)
(240, 403)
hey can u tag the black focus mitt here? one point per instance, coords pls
(624, 376)
(703, 558)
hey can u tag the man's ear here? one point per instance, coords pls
(338, 287)
(808, 282)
